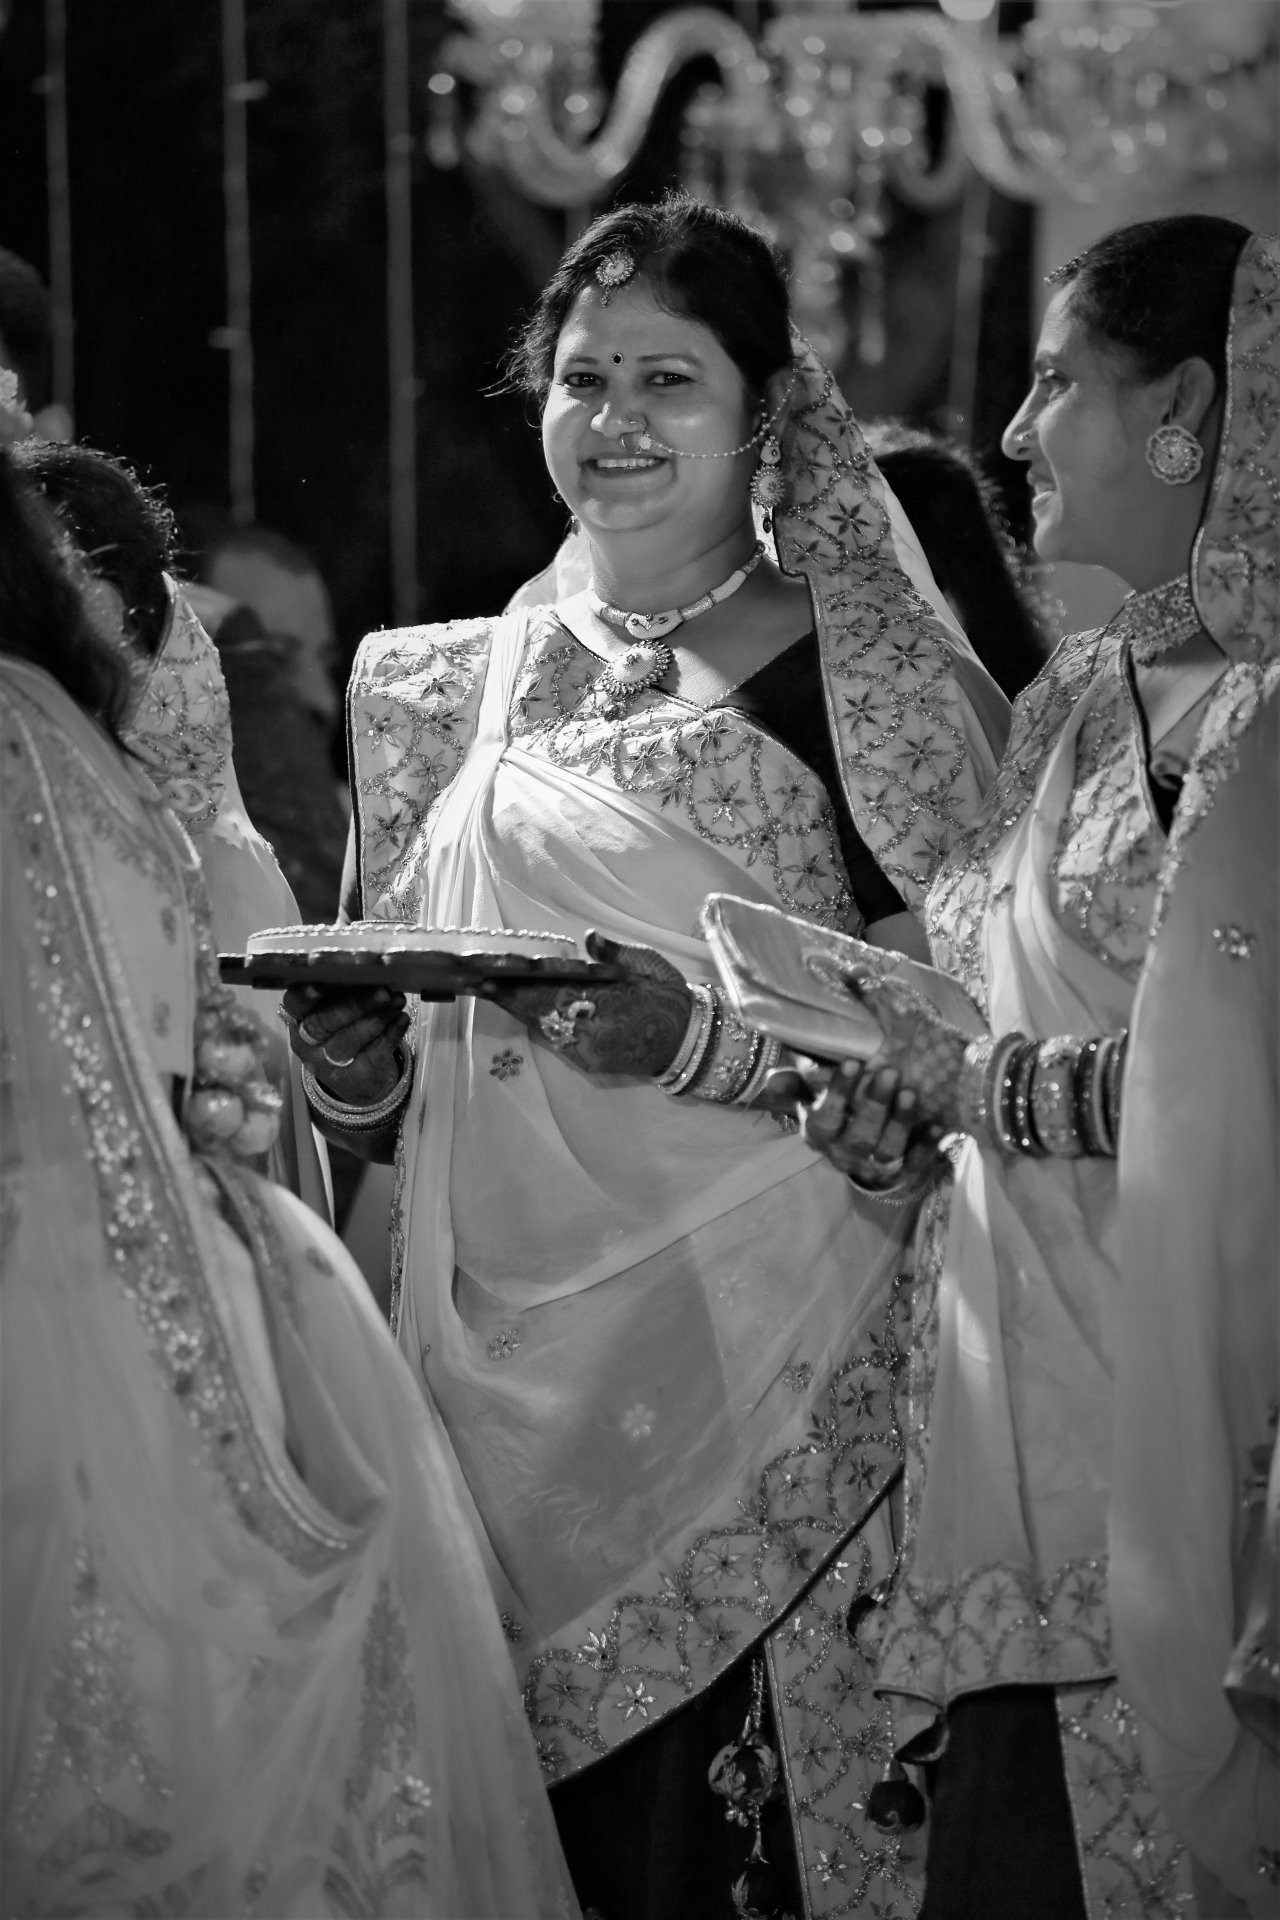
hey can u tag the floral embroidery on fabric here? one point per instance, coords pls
(1130, 1861)
(938, 1639)
(414, 696)
(504, 1345)
(732, 1581)
(385, 1846)
(1236, 571)
(93, 1728)
(960, 897)
(507, 1064)
(150, 1235)
(739, 788)
(1110, 848)
(182, 728)
(1233, 705)
(835, 1737)
(893, 699)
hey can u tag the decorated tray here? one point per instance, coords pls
(436, 963)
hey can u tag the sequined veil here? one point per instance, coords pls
(1071, 1458)
(661, 1333)
(250, 1664)
(180, 729)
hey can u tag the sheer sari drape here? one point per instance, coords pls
(250, 1662)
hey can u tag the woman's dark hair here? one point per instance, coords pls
(697, 261)
(42, 617)
(1160, 291)
(124, 530)
(959, 520)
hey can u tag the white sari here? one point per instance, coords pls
(661, 1332)
(1096, 1343)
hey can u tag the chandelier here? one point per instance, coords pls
(814, 118)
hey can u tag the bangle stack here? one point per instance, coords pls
(360, 1119)
(719, 1059)
(704, 1016)
(1058, 1097)
(1053, 1097)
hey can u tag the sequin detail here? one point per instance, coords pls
(386, 1846)
(93, 1717)
(835, 1737)
(415, 694)
(151, 1236)
(1110, 848)
(182, 727)
(893, 697)
(960, 897)
(737, 786)
(1236, 942)
(733, 1581)
(1129, 1859)
(1236, 571)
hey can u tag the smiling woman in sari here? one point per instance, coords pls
(659, 1328)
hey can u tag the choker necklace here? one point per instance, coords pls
(654, 626)
(1158, 621)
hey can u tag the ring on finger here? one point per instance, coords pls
(326, 1055)
(560, 1030)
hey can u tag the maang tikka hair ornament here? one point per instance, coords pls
(614, 271)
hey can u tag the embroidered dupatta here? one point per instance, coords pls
(181, 732)
(251, 1664)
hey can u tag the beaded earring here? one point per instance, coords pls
(1174, 455)
(766, 482)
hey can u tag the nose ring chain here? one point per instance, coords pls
(647, 443)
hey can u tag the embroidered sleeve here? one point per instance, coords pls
(412, 709)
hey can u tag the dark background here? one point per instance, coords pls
(144, 86)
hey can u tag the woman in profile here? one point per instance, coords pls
(1084, 1639)
(251, 1666)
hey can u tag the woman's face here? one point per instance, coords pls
(627, 367)
(1082, 430)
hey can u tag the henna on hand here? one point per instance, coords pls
(925, 1050)
(637, 1022)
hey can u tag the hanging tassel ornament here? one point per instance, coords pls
(895, 1804)
(766, 481)
(745, 1774)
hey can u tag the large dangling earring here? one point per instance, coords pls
(766, 481)
(1174, 455)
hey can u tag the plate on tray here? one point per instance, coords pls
(433, 974)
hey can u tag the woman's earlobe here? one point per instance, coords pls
(1194, 395)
